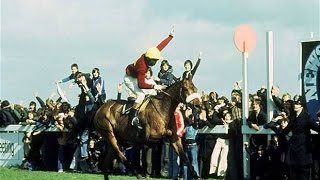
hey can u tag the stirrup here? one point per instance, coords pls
(135, 123)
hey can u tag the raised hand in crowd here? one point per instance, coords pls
(203, 115)
(275, 91)
(200, 55)
(237, 85)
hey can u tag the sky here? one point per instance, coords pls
(40, 39)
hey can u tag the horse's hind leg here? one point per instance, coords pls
(107, 164)
(106, 131)
(114, 144)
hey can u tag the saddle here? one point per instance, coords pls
(127, 104)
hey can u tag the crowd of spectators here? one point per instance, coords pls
(76, 146)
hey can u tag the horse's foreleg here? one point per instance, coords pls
(147, 131)
(179, 150)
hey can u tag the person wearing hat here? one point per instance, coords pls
(299, 151)
(134, 78)
(165, 76)
(6, 114)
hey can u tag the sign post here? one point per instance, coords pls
(245, 41)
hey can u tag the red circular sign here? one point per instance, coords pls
(245, 38)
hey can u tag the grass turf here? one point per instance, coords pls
(14, 173)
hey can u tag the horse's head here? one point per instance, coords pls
(189, 94)
(184, 91)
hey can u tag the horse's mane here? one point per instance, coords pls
(163, 93)
(172, 86)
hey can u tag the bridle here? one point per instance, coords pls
(186, 100)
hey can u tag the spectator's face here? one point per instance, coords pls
(81, 80)
(148, 75)
(275, 138)
(220, 101)
(227, 117)
(165, 67)
(71, 113)
(255, 106)
(284, 124)
(30, 115)
(74, 70)
(297, 107)
(260, 152)
(285, 98)
(64, 107)
(95, 74)
(187, 66)
(188, 112)
(287, 104)
(213, 95)
(235, 97)
(32, 107)
(91, 144)
(60, 118)
(210, 113)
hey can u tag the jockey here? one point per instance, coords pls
(135, 75)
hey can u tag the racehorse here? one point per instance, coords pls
(157, 118)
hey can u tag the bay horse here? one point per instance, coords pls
(157, 118)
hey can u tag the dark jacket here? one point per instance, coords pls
(299, 146)
(166, 78)
(189, 75)
(6, 117)
(259, 119)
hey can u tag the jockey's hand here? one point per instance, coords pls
(156, 78)
(159, 87)
(172, 30)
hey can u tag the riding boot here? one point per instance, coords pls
(133, 119)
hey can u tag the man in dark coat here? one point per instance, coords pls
(6, 117)
(299, 152)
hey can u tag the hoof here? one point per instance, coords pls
(122, 157)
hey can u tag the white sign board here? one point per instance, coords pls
(11, 148)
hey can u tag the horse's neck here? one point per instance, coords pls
(171, 98)
(166, 103)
